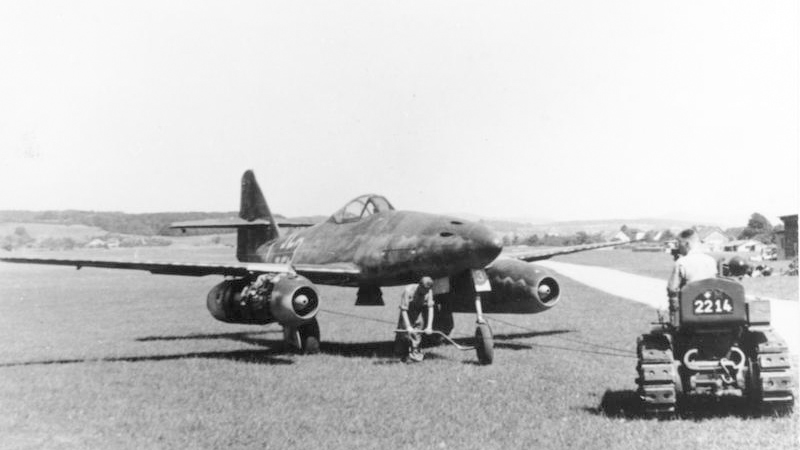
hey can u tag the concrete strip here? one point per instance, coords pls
(653, 292)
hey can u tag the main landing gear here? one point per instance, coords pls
(303, 338)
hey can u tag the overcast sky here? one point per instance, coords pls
(560, 110)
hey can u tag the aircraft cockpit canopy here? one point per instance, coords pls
(362, 207)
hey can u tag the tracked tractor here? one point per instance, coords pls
(715, 344)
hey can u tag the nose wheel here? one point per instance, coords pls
(484, 341)
(484, 344)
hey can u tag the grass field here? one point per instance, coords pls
(121, 359)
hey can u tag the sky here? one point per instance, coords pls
(541, 110)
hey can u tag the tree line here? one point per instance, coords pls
(145, 224)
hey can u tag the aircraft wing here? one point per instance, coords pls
(341, 274)
(337, 273)
(531, 254)
(162, 268)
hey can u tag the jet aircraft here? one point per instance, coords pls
(366, 244)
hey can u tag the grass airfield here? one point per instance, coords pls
(123, 359)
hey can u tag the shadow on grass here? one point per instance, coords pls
(597, 349)
(274, 347)
(245, 337)
(375, 349)
(248, 356)
(627, 404)
(190, 337)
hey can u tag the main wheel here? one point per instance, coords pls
(309, 337)
(484, 344)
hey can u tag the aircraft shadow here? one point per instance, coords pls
(505, 337)
(190, 337)
(626, 404)
(272, 349)
(246, 356)
(374, 349)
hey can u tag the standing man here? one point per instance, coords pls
(692, 264)
(415, 303)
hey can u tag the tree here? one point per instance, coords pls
(532, 240)
(759, 228)
(759, 222)
(22, 237)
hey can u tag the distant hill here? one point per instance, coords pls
(610, 225)
(151, 224)
(587, 226)
(146, 224)
(540, 226)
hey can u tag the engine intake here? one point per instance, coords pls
(520, 287)
(288, 299)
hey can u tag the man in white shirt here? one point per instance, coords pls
(693, 264)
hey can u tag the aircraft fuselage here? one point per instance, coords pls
(390, 247)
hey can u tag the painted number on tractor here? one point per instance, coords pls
(715, 306)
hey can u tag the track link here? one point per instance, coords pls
(657, 375)
(772, 379)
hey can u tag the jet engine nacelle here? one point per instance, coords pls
(517, 288)
(288, 299)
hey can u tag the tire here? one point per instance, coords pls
(309, 337)
(484, 344)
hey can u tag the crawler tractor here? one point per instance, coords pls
(715, 344)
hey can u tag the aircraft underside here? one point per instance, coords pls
(507, 286)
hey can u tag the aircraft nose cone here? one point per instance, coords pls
(485, 245)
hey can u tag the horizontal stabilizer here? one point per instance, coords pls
(234, 222)
(295, 224)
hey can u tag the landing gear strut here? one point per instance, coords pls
(484, 342)
(304, 338)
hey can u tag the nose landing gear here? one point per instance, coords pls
(484, 341)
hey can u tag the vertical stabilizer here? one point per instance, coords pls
(253, 206)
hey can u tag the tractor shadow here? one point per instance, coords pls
(626, 404)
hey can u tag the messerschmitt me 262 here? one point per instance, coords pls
(367, 244)
(716, 344)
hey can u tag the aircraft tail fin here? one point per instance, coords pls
(253, 208)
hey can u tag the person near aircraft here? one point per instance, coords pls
(416, 305)
(692, 264)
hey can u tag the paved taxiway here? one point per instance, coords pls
(652, 292)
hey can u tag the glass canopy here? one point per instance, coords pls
(361, 207)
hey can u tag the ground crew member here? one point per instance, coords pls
(692, 264)
(415, 303)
